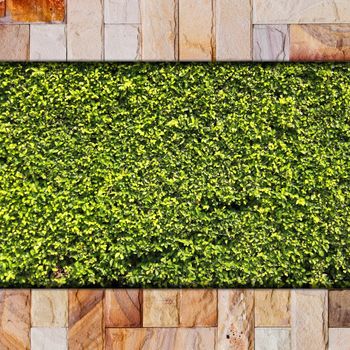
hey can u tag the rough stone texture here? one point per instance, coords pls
(122, 11)
(198, 308)
(235, 319)
(160, 308)
(14, 319)
(271, 43)
(233, 30)
(196, 30)
(122, 42)
(123, 308)
(272, 308)
(14, 42)
(301, 11)
(85, 30)
(2, 8)
(339, 339)
(35, 10)
(49, 339)
(339, 308)
(156, 338)
(309, 319)
(85, 320)
(159, 30)
(48, 42)
(272, 339)
(320, 42)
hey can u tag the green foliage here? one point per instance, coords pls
(219, 175)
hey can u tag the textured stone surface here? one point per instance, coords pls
(339, 308)
(14, 319)
(301, 11)
(309, 319)
(159, 30)
(196, 30)
(160, 308)
(47, 42)
(122, 11)
(122, 42)
(84, 30)
(272, 339)
(271, 43)
(320, 42)
(156, 338)
(2, 8)
(235, 319)
(233, 30)
(272, 308)
(123, 308)
(14, 42)
(49, 339)
(339, 339)
(35, 10)
(198, 308)
(85, 320)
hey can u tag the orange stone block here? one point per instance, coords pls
(36, 10)
(2, 8)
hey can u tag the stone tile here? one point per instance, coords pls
(14, 319)
(160, 308)
(196, 35)
(233, 30)
(2, 8)
(14, 42)
(122, 11)
(301, 11)
(84, 30)
(339, 308)
(49, 308)
(271, 43)
(272, 308)
(339, 339)
(198, 308)
(85, 319)
(49, 338)
(320, 42)
(36, 10)
(159, 20)
(309, 319)
(272, 339)
(235, 319)
(122, 42)
(160, 338)
(123, 308)
(48, 42)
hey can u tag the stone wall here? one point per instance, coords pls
(173, 30)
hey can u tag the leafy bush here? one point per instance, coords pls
(219, 175)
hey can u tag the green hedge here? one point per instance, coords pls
(175, 175)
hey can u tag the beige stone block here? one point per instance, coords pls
(235, 319)
(122, 11)
(198, 308)
(233, 30)
(309, 319)
(84, 30)
(49, 308)
(159, 20)
(339, 308)
(160, 308)
(339, 339)
(301, 11)
(122, 42)
(48, 42)
(272, 308)
(14, 42)
(49, 339)
(196, 30)
(272, 339)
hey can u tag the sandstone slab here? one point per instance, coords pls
(339, 308)
(235, 319)
(49, 339)
(122, 11)
(339, 339)
(2, 8)
(272, 339)
(14, 42)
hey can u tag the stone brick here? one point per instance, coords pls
(2, 8)
(339, 339)
(14, 42)
(49, 339)
(122, 11)
(339, 308)
(272, 339)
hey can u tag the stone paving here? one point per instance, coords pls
(174, 319)
(175, 30)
